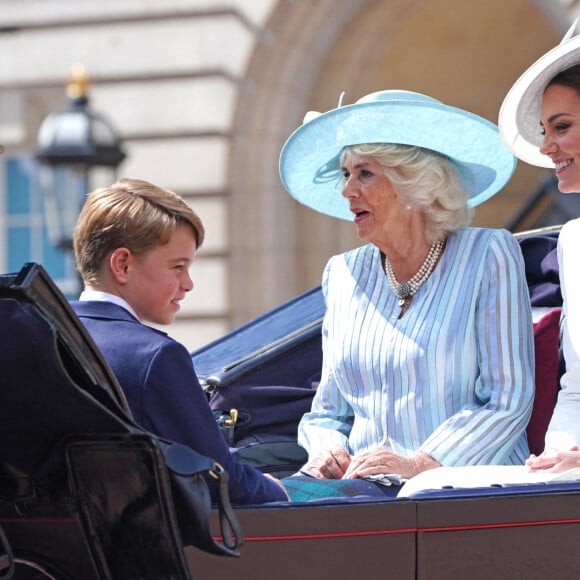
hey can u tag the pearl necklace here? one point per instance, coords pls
(405, 290)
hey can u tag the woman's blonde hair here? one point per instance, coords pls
(425, 180)
(131, 214)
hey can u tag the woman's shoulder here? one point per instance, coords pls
(484, 233)
(481, 247)
(355, 255)
(357, 264)
(478, 237)
(359, 251)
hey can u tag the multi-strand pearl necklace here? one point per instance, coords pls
(404, 290)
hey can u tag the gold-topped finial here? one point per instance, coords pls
(78, 86)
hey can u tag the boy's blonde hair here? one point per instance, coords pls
(131, 214)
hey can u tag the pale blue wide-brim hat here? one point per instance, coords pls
(310, 158)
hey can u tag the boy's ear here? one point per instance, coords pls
(119, 262)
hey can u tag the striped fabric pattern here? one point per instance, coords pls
(453, 378)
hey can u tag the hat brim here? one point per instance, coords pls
(519, 115)
(309, 161)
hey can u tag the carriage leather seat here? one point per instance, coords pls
(84, 491)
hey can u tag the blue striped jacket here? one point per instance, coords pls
(453, 378)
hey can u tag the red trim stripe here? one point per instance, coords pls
(500, 525)
(329, 535)
(287, 537)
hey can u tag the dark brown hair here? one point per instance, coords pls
(568, 78)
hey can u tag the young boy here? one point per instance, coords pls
(134, 243)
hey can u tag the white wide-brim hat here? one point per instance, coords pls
(519, 115)
(310, 159)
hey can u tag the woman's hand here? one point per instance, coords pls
(554, 461)
(330, 464)
(378, 461)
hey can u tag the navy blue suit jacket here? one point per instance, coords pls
(164, 394)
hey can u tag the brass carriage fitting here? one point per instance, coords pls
(231, 422)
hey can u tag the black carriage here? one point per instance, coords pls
(85, 493)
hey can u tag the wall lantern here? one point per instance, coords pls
(77, 150)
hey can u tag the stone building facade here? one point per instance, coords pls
(205, 92)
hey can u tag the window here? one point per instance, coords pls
(25, 234)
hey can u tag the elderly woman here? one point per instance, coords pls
(427, 338)
(540, 121)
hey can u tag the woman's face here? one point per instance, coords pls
(371, 197)
(560, 121)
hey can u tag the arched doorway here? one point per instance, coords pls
(464, 53)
